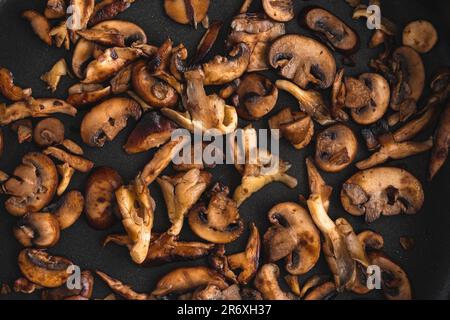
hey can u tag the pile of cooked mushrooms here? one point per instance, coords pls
(121, 76)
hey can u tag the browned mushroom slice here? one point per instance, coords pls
(55, 9)
(66, 172)
(219, 262)
(296, 127)
(82, 11)
(108, 9)
(266, 282)
(338, 34)
(81, 95)
(60, 35)
(122, 289)
(219, 222)
(64, 293)
(382, 191)
(317, 185)
(212, 292)
(187, 279)
(134, 35)
(49, 131)
(293, 283)
(207, 42)
(442, 143)
(24, 130)
(303, 60)
(293, 236)
(55, 74)
(110, 38)
(32, 185)
(121, 82)
(9, 90)
(336, 148)
(43, 269)
(100, 197)
(68, 209)
(322, 292)
(23, 285)
(81, 55)
(76, 162)
(181, 193)
(279, 10)
(40, 230)
(415, 126)
(105, 121)
(187, 11)
(420, 35)
(371, 240)
(40, 25)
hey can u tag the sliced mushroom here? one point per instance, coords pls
(219, 262)
(181, 193)
(266, 282)
(212, 292)
(442, 143)
(336, 148)
(122, 289)
(55, 9)
(43, 269)
(303, 60)
(100, 196)
(60, 35)
(110, 38)
(187, 11)
(87, 95)
(382, 191)
(108, 9)
(134, 35)
(279, 10)
(293, 236)
(37, 229)
(72, 147)
(121, 82)
(81, 55)
(9, 90)
(49, 131)
(24, 130)
(293, 283)
(317, 185)
(78, 163)
(53, 76)
(68, 209)
(105, 121)
(420, 35)
(64, 293)
(322, 292)
(83, 10)
(40, 25)
(32, 185)
(207, 42)
(219, 222)
(296, 127)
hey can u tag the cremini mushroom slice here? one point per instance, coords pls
(110, 38)
(266, 282)
(310, 101)
(207, 42)
(187, 279)
(24, 130)
(9, 90)
(81, 55)
(49, 131)
(219, 221)
(40, 25)
(442, 143)
(64, 293)
(336, 148)
(43, 269)
(36, 229)
(293, 236)
(60, 35)
(303, 60)
(187, 11)
(108, 9)
(151, 132)
(136, 207)
(122, 289)
(317, 185)
(324, 291)
(382, 191)
(295, 126)
(203, 112)
(181, 193)
(105, 121)
(68, 209)
(53, 76)
(394, 150)
(78, 163)
(72, 147)
(32, 185)
(55, 9)
(134, 34)
(85, 95)
(121, 82)
(279, 10)
(100, 196)
(420, 35)
(83, 9)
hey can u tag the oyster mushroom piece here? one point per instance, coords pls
(55, 9)
(293, 236)
(303, 60)
(68, 209)
(187, 279)
(43, 269)
(100, 196)
(105, 121)
(64, 293)
(40, 25)
(420, 35)
(9, 90)
(36, 229)
(382, 191)
(181, 193)
(53, 77)
(187, 11)
(266, 282)
(219, 222)
(83, 10)
(32, 185)
(442, 143)
(279, 10)
(336, 148)
(108, 9)
(76, 162)
(49, 131)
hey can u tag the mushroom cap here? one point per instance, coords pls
(37, 229)
(383, 190)
(420, 35)
(282, 11)
(48, 132)
(303, 60)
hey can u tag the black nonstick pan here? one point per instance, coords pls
(427, 264)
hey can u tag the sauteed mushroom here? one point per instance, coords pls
(121, 82)
(24, 130)
(76, 162)
(317, 185)
(322, 292)
(266, 281)
(68, 209)
(187, 11)
(110, 38)
(64, 293)
(49, 131)
(40, 25)
(81, 95)
(420, 35)
(53, 77)
(108, 9)
(442, 143)
(55, 9)
(37, 229)
(279, 10)
(83, 9)
(60, 35)
(9, 90)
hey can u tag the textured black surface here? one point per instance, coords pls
(28, 58)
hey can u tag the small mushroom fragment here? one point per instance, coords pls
(338, 34)
(23, 285)
(24, 130)
(40, 230)
(219, 261)
(420, 35)
(293, 236)
(442, 143)
(122, 289)
(317, 185)
(336, 148)
(72, 147)
(9, 90)
(187, 11)
(108, 9)
(81, 95)
(43, 269)
(55, 9)
(295, 126)
(109, 38)
(394, 150)
(382, 191)
(68, 209)
(32, 185)
(121, 82)
(303, 60)
(64, 293)
(60, 35)
(40, 25)
(181, 193)
(266, 282)
(83, 9)
(219, 222)
(105, 121)
(279, 10)
(293, 283)
(48, 132)
(407, 243)
(100, 195)
(78, 163)
(187, 279)
(322, 292)
(212, 292)
(53, 77)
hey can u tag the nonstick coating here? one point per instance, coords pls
(427, 264)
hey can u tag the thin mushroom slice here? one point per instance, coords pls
(317, 185)
(60, 35)
(9, 90)
(323, 291)
(81, 55)
(442, 144)
(40, 25)
(110, 38)
(279, 10)
(88, 96)
(68, 209)
(83, 10)
(78, 163)
(266, 282)
(121, 82)
(108, 9)
(122, 289)
(187, 11)
(39, 230)
(420, 35)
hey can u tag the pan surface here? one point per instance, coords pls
(427, 264)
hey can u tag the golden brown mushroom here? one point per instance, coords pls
(81, 95)
(24, 130)
(108, 9)
(266, 282)
(53, 76)
(420, 35)
(49, 131)
(9, 90)
(187, 11)
(40, 25)
(78, 163)
(55, 9)
(68, 209)
(40, 230)
(64, 293)
(83, 9)
(279, 10)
